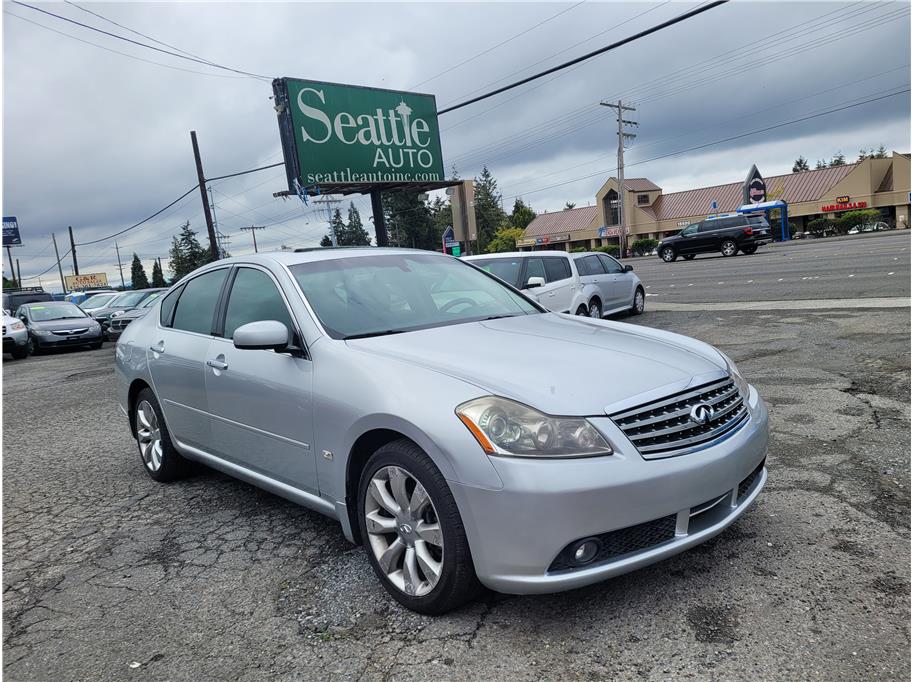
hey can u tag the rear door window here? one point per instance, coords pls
(195, 308)
(590, 265)
(557, 269)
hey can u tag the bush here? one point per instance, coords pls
(578, 249)
(820, 226)
(643, 246)
(610, 249)
(851, 219)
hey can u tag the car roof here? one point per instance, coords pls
(518, 254)
(46, 303)
(322, 254)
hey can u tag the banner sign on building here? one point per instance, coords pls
(754, 187)
(608, 231)
(94, 280)
(843, 206)
(11, 232)
(347, 134)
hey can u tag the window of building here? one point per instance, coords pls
(642, 199)
(611, 208)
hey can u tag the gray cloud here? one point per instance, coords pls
(98, 140)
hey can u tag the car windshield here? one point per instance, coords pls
(128, 300)
(506, 269)
(96, 301)
(391, 293)
(55, 311)
(149, 301)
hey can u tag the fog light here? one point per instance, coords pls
(585, 551)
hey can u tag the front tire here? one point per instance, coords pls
(22, 353)
(639, 302)
(750, 250)
(160, 459)
(412, 531)
(582, 311)
(729, 248)
(668, 254)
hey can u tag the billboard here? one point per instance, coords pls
(11, 231)
(347, 134)
(754, 188)
(94, 280)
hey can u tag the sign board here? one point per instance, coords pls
(608, 231)
(527, 241)
(714, 205)
(683, 223)
(457, 251)
(450, 244)
(11, 231)
(843, 207)
(754, 188)
(94, 280)
(843, 199)
(333, 133)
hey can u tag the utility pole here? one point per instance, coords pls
(327, 204)
(73, 249)
(213, 246)
(59, 266)
(18, 273)
(123, 284)
(9, 259)
(622, 138)
(252, 229)
(224, 242)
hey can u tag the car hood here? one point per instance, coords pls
(70, 323)
(134, 314)
(559, 364)
(107, 312)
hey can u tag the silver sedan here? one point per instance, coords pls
(439, 415)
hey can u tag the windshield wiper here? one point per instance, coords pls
(366, 335)
(500, 317)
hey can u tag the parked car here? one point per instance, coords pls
(117, 324)
(415, 399)
(13, 298)
(121, 304)
(725, 234)
(98, 301)
(57, 324)
(593, 284)
(15, 337)
(79, 297)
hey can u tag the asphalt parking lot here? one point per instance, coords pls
(110, 576)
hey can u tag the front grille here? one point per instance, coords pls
(4, 329)
(119, 323)
(617, 543)
(745, 486)
(70, 332)
(663, 427)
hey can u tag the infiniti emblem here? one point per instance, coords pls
(701, 413)
(405, 529)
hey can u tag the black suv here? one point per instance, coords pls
(725, 234)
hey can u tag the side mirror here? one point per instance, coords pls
(262, 335)
(628, 268)
(534, 283)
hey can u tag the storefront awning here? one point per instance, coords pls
(762, 206)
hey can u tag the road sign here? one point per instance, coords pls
(457, 251)
(93, 280)
(11, 232)
(333, 133)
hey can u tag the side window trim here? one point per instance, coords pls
(178, 291)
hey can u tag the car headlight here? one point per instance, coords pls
(117, 313)
(740, 381)
(17, 326)
(42, 332)
(505, 427)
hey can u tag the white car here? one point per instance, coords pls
(592, 284)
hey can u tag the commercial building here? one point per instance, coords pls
(881, 184)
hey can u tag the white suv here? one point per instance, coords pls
(592, 284)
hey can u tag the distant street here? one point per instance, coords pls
(861, 267)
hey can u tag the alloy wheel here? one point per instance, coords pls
(639, 301)
(595, 310)
(404, 531)
(729, 248)
(668, 255)
(148, 435)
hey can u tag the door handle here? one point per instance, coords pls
(217, 364)
(158, 347)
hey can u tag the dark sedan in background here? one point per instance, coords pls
(57, 324)
(126, 301)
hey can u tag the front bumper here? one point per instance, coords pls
(14, 339)
(53, 341)
(518, 532)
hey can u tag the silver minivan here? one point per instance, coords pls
(593, 284)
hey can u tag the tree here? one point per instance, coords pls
(850, 219)
(837, 160)
(408, 219)
(138, 274)
(643, 246)
(800, 165)
(488, 212)
(522, 215)
(354, 233)
(158, 277)
(569, 205)
(504, 239)
(820, 164)
(186, 254)
(326, 241)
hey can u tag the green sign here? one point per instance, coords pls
(457, 251)
(345, 134)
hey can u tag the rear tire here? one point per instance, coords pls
(668, 254)
(428, 571)
(690, 256)
(729, 248)
(160, 459)
(749, 250)
(595, 309)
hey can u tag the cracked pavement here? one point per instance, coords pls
(111, 576)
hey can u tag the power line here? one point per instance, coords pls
(252, 170)
(206, 62)
(494, 47)
(589, 55)
(144, 220)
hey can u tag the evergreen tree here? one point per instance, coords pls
(881, 153)
(138, 274)
(354, 232)
(326, 241)
(837, 160)
(441, 216)
(522, 215)
(158, 277)
(186, 253)
(488, 212)
(408, 220)
(569, 205)
(820, 164)
(800, 165)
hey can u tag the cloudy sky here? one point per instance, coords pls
(96, 130)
